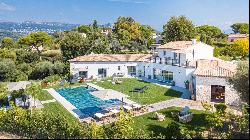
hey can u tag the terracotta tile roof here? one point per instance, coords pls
(238, 35)
(113, 58)
(176, 45)
(215, 68)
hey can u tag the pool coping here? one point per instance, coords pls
(66, 104)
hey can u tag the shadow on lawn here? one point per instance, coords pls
(173, 93)
(143, 81)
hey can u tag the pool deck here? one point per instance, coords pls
(66, 104)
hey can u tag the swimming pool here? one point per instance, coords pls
(88, 104)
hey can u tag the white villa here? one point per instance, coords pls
(186, 64)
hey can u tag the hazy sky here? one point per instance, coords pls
(221, 13)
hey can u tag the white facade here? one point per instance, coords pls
(179, 70)
(92, 68)
(197, 51)
(167, 65)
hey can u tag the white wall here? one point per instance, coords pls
(180, 74)
(203, 89)
(201, 51)
(92, 67)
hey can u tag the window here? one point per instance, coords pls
(164, 52)
(167, 75)
(131, 70)
(217, 93)
(102, 72)
(175, 55)
(119, 67)
(83, 74)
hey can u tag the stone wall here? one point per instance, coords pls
(203, 90)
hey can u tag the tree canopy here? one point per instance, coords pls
(72, 45)
(209, 34)
(35, 39)
(240, 80)
(127, 30)
(242, 28)
(178, 29)
(7, 42)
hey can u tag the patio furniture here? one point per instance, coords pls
(99, 116)
(87, 120)
(159, 116)
(184, 111)
(186, 118)
(139, 89)
(115, 111)
(62, 82)
(175, 114)
(118, 81)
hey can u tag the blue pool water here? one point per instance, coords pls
(81, 98)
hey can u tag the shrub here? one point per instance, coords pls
(26, 56)
(25, 68)
(221, 107)
(39, 125)
(52, 78)
(8, 54)
(42, 70)
(52, 55)
(58, 67)
(7, 68)
(18, 76)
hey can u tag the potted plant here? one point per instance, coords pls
(172, 83)
(186, 84)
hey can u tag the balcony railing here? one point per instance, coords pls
(173, 62)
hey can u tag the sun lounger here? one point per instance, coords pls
(99, 115)
(139, 89)
(115, 111)
(127, 107)
(184, 111)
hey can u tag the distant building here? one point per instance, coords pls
(106, 31)
(234, 37)
(157, 38)
(83, 35)
(40, 48)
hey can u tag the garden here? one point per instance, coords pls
(153, 94)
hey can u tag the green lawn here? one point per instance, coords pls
(148, 122)
(44, 95)
(55, 108)
(153, 94)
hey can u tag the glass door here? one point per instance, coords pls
(102, 72)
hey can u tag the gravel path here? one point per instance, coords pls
(179, 102)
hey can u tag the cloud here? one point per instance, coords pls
(6, 7)
(130, 1)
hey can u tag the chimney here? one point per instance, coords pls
(193, 41)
